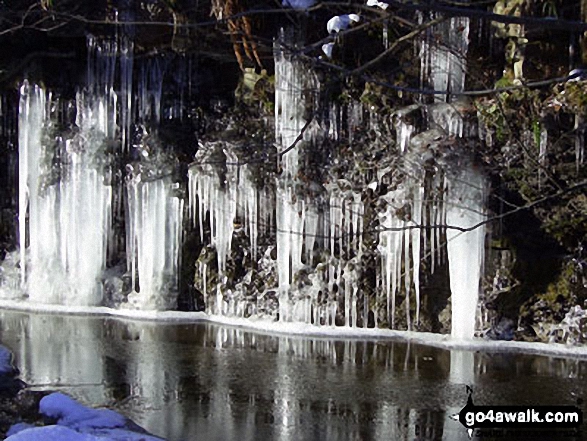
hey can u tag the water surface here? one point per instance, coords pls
(208, 382)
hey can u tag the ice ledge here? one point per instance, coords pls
(442, 341)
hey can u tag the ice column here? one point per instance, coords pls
(465, 210)
(30, 122)
(293, 85)
(154, 230)
(69, 220)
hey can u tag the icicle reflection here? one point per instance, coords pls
(189, 381)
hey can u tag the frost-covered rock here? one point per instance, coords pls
(573, 328)
(341, 22)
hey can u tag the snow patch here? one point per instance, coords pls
(298, 4)
(377, 3)
(327, 49)
(341, 22)
(76, 422)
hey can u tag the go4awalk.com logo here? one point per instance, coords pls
(550, 418)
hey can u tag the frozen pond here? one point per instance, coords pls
(210, 382)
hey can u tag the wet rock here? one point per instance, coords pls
(502, 330)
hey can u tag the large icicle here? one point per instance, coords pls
(31, 121)
(155, 219)
(465, 209)
(294, 84)
(418, 197)
(443, 57)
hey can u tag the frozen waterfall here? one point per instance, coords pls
(466, 249)
(319, 234)
(68, 217)
(72, 210)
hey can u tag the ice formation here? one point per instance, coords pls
(155, 221)
(68, 220)
(218, 201)
(293, 85)
(443, 55)
(319, 236)
(69, 196)
(465, 210)
(316, 228)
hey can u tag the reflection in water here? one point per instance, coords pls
(208, 382)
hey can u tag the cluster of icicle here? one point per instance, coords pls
(443, 53)
(333, 224)
(226, 199)
(68, 221)
(302, 223)
(154, 242)
(67, 202)
(445, 218)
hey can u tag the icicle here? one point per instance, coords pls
(465, 249)
(157, 218)
(443, 53)
(311, 232)
(31, 120)
(126, 71)
(543, 146)
(416, 234)
(407, 278)
(579, 140)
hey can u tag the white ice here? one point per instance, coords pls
(154, 236)
(68, 218)
(465, 209)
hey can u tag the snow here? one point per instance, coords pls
(48, 433)
(341, 22)
(327, 49)
(377, 3)
(299, 4)
(76, 422)
(6, 367)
